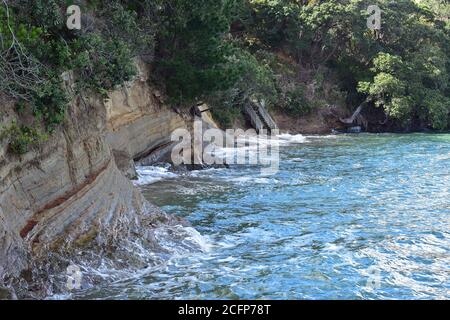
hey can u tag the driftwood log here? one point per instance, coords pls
(357, 118)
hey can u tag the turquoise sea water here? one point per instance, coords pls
(346, 217)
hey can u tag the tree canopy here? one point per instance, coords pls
(226, 50)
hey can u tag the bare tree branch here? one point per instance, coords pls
(19, 71)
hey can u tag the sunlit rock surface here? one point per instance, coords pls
(69, 193)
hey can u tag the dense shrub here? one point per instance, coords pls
(226, 116)
(404, 68)
(21, 138)
(192, 50)
(50, 102)
(102, 64)
(36, 48)
(296, 103)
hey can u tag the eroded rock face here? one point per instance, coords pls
(69, 193)
(138, 120)
(44, 192)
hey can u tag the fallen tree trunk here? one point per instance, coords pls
(351, 120)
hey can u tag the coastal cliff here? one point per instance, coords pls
(68, 192)
(138, 121)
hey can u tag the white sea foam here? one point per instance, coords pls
(206, 172)
(180, 240)
(330, 136)
(136, 260)
(297, 160)
(148, 175)
(292, 139)
(249, 179)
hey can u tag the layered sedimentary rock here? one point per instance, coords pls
(69, 192)
(138, 120)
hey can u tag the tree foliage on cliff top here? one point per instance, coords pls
(404, 68)
(36, 48)
(222, 46)
(231, 48)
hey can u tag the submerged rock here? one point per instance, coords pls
(7, 294)
(355, 130)
(349, 130)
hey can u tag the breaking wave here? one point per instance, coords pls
(151, 174)
(292, 139)
(103, 273)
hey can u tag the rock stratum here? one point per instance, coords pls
(73, 192)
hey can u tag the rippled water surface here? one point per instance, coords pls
(349, 217)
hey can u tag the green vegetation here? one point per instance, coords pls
(36, 48)
(232, 49)
(225, 117)
(21, 138)
(224, 51)
(296, 102)
(403, 68)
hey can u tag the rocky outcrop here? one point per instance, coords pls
(138, 120)
(69, 192)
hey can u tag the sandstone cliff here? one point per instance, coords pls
(138, 120)
(69, 192)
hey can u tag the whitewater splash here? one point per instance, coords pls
(292, 139)
(113, 259)
(251, 145)
(281, 139)
(148, 175)
(151, 174)
(102, 272)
